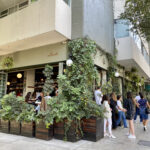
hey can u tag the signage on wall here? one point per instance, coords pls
(52, 54)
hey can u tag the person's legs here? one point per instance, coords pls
(136, 113)
(124, 120)
(132, 132)
(119, 118)
(110, 126)
(105, 124)
(113, 121)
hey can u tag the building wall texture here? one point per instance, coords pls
(94, 19)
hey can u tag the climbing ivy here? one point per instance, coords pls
(75, 99)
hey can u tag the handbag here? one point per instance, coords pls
(147, 111)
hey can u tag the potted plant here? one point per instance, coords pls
(27, 118)
(9, 112)
(75, 99)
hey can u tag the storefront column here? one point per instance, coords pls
(104, 77)
(30, 81)
(61, 68)
(120, 85)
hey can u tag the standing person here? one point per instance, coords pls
(129, 106)
(137, 113)
(143, 105)
(98, 96)
(121, 112)
(107, 115)
(113, 106)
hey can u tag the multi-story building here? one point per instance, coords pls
(133, 50)
(35, 33)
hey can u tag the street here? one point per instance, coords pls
(12, 142)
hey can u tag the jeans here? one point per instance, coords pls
(138, 113)
(121, 115)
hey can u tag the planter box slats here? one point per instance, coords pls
(43, 133)
(28, 129)
(93, 129)
(4, 126)
(15, 127)
(59, 132)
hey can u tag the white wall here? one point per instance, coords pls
(41, 23)
(130, 56)
(118, 8)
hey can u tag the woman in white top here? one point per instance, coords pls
(121, 112)
(107, 115)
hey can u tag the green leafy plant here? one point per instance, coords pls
(48, 85)
(75, 99)
(7, 62)
(107, 87)
(15, 108)
(137, 12)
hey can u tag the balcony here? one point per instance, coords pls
(129, 55)
(40, 23)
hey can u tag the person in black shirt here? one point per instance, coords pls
(129, 106)
(113, 106)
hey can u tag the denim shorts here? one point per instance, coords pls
(143, 114)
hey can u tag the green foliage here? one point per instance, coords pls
(133, 81)
(48, 85)
(7, 63)
(137, 12)
(75, 99)
(107, 88)
(15, 108)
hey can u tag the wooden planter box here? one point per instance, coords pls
(42, 132)
(4, 126)
(28, 129)
(15, 127)
(93, 129)
(59, 132)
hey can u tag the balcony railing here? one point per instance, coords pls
(16, 7)
(122, 30)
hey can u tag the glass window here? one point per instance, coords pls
(67, 2)
(121, 28)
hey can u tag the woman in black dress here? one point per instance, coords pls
(113, 105)
(129, 106)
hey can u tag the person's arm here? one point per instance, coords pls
(148, 105)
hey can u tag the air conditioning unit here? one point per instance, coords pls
(23, 5)
(4, 13)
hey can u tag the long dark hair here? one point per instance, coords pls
(129, 95)
(27, 98)
(105, 98)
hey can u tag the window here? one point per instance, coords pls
(67, 2)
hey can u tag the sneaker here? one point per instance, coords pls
(132, 137)
(127, 134)
(112, 136)
(145, 128)
(106, 134)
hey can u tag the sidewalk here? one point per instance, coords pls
(12, 142)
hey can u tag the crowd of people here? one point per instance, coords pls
(118, 111)
(39, 100)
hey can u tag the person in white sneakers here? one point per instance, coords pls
(129, 106)
(107, 115)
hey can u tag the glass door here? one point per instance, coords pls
(3, 83)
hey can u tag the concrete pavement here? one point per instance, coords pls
(12, 142)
